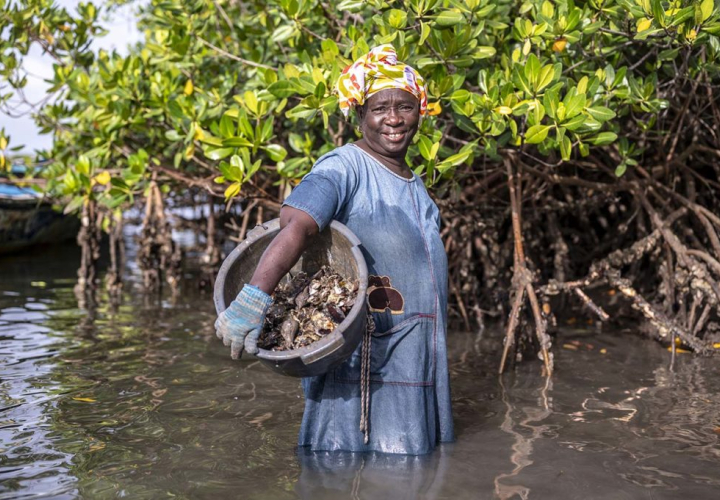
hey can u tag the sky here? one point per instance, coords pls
(122, 31)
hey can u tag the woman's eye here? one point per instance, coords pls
(378, 110)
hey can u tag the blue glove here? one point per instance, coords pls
(240, 324)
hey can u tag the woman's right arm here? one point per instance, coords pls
(297, 228)
(239, 326)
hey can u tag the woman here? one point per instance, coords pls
(368, 186)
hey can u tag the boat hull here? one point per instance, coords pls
(25, 223)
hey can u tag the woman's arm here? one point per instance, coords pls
(296, 230)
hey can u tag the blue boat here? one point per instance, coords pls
(27, 220)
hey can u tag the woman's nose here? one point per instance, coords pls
(393, 116)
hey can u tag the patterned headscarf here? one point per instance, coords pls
(378, 70)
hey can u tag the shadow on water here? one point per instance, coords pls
(142, 401)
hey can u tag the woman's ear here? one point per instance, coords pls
(360, 112)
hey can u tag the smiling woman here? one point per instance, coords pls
(396, 383)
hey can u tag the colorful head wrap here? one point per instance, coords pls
(378, 70)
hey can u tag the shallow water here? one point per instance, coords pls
(144, 402)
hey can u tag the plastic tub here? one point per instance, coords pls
(336, 246)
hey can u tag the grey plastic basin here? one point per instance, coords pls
(336, 246)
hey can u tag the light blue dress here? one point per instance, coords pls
(398, 225)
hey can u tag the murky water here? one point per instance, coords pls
(144, 402)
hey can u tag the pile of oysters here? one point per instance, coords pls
(306, 308)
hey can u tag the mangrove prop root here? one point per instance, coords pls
(591, 305)
(88, 239)
(158, 252)
(113, 278)
(212, 256)
(522, 281)
(662, 323)
(656, 227)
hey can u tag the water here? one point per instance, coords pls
(144, 402)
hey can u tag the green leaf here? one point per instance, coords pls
(707, 7)
(454, 160)
(521, 82)
(449, 18)
(350, 5)
(267, 129)
(251, 101)
(604, 138)
(532, 70)
(575, 122)
(291, 7)
(320, 90)
(172, 135)
(83, 165)
(483, 52)
(282, 33)
(584, 149)
(74, 205)
(551, 102)
(220, 153)
(244, 126)
(601, 113)
(434, 150)
(620, 170)
(424, 32)
(236, 142)
(424, 146)
(282, 89)
(545, 78)
(232, 190)
(276, 152)
(684, 14)
(397, 18)
(427, 61)
(227, 127)
(658, 12)
(565, 148)
(175, 110)
(575, 106)
(536, 134)
(301, 111)
(461, 95)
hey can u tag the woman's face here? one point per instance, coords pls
(388, 121)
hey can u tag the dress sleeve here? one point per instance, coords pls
(323, 193)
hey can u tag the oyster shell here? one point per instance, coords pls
(305, 309)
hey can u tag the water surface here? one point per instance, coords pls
(142, 401)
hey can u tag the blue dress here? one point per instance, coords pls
(398, 225)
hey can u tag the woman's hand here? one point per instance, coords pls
(240, 324)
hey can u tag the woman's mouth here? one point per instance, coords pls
(395, 136)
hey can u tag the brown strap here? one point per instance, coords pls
(365, 379)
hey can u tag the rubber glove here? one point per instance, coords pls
(240, 324)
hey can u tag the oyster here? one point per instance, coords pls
(305, 309)
(288, 330)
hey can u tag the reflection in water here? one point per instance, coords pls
(357, 476)
(522, 447)
(140, 400)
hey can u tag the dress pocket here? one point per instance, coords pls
(405, 354)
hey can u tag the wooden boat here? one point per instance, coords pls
(26, 220)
